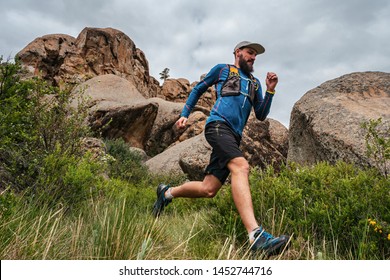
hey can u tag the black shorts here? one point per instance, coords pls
(225, 144)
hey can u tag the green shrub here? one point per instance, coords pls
(378, 144)
(40, 141)
(126, 164)
(67, 179)
(16, 123)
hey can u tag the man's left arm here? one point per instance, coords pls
(263, 105)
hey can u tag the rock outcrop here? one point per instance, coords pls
(176, 90)
(63, 59)
(326, 122)
(118, 110)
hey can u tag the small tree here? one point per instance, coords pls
(164, 74)
(378, 144)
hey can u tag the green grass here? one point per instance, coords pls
(107, 229)
(321, 207)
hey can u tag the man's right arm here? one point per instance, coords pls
(210, 79)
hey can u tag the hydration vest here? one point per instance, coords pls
(232, 85)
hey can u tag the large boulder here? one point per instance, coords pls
(176, 89)
(45, 55)
(326, 122)
(118, 110)
(195, 158)
(132, 123)
(62, 59)
(107, 90)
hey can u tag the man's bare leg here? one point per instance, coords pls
(242, 197)
(209, 187)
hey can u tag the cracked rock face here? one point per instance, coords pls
(60, 58)
(118, 110)
(326, 122)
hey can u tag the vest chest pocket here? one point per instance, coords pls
(232, 86)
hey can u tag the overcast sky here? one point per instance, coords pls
(307, 42)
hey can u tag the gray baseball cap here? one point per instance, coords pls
(257, 47)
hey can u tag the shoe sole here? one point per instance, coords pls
(276, 249)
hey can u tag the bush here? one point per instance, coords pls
(378, 144)
(40, 137)
(126, 164)
(67, 179)
(15, 123)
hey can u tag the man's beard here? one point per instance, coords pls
(244, 66)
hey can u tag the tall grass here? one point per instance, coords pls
(111, 229)
(120, 225)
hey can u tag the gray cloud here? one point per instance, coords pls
(307, 42)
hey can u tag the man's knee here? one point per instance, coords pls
(239, 165)
(210, 192)
(210, 186)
